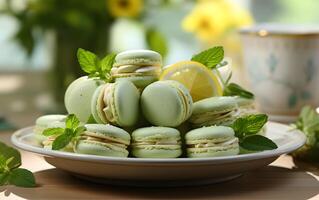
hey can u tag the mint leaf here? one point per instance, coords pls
(72, 121)
(87, 60)
(6, 153)
(53, 131)
(232, 89)
(210, 57)
(4, 178)
(91, 120)
(257, 143)
(22, 178)
(107, 62)
(79, 130)
(156, 41)
(249, 125)
(63, 140)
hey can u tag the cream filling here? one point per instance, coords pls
(103, 140)
(135, 69)
(213, 147)
(105, 110)
(160, 144)
(207, 144)
(209, 116)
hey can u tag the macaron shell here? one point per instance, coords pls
(214, 104)
(107, 130)
(162, 105)
(156, 153)
(138, 81)
(78, 97)
(212, 132)
(126, 104)
(98, 148)
(140, 57)
(213, 153)
(155, 134)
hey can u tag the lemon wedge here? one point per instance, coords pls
(201, 82)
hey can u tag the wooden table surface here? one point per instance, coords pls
(283, 179)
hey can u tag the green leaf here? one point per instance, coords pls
(156, 42)
(87, 60)
(52, 131)
(210, 57)
(91, 120)
(257, 143)
(107, 62)
(249, 125)
(79, 130)
(7, 152)
(22, 178)
(232, 89)
(72, 121)
(63, 140)
(4, 178)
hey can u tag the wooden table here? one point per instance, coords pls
(283, 179)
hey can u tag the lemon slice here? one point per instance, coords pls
(201, 82)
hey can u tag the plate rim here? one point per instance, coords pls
(118, 160)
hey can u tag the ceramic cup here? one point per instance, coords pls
(282, 66)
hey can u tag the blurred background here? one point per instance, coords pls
(39, 39)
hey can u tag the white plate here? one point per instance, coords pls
(163, 172)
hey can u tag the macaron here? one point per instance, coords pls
(141, 67)
(116, 103)
(103, 140)
(43, 123)
(78, 96)
(214, 111)
(48, 140)
(211, 141)
(166, 103)
(156, 142)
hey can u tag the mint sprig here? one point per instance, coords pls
(94, 66)
(10, 171)
(65, 136)
(233, 89)
(246, 129)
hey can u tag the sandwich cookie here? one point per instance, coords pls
(214, 111)
(166, 103)
(141, 67)
(103, 140)
(211, 142)
(116, 103)
(78, 96)
(156, 142)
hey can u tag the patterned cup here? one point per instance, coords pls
(282, 64)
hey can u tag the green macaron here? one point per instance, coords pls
(156, 142)
(166, 103)
(116, 103)
(103, 140)
(78, 96)
(214, 111)
(142, 67)
(44, 121)
(211, 141)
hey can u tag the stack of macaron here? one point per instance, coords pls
(137, 115)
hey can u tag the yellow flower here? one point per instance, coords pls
(125, 8)
(211, 19)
